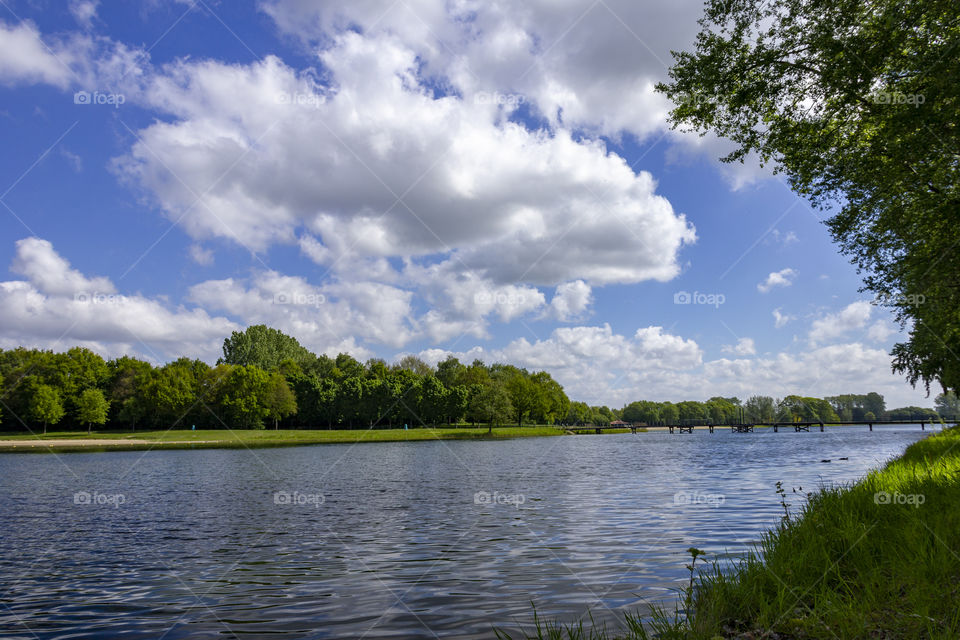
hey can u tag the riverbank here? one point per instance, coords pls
(878, 559)
(226, 439)
(875, 560)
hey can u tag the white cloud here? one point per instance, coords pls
(488, 194)
(45, 269)
(58, 307)
(782, 278)
(780, 319)
(880, 331)
(599, 366)
(203, 257)
(25, 58)
(571, 300)
(744, 347)
(84, 11)
(834, 325)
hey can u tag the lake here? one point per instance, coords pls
(391, 540)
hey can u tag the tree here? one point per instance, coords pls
(856, 103)
(92, 408)
(759, 409)
(669, 413)
(492, 404)
(414, 364)
(278, 399)
(264, 347)
(873, 403)
(523, 392)
(242, 397)
(45, 405)
(947, 405)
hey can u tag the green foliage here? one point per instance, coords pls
(263, 347)
(856, 103)
(947, 404)
(92, 408)
(279, 400)
(45, 405)
(297, 389)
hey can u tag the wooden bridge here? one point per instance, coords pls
(749, 427)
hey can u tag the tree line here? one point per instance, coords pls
(793, 408)
(266, 378)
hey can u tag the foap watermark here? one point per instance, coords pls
(301, 99)
(513, 499)
(911, 499)
(712, 299)
(696, 99)
(682, 498)
(299, 499)
(898, 97)
(900, 299)
(96, 297)
(102, 98)
(503, 298)
(294, 298)
(499, 99)
(96, 498)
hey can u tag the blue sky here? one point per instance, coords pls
(489, 179)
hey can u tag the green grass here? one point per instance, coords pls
(222, 438)
(850, 564)
(849, 567)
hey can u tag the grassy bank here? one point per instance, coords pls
(222, 438)
(879, 559)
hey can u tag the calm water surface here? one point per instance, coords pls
(389, 540)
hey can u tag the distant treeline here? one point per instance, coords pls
(760, 409)
(267, 378)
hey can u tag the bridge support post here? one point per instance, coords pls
(711, 428)
(923, 426)
(821, 427)
(871, 426)
(775, 428)
(671, 429)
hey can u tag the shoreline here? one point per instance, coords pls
(862, 555)
(67, 442)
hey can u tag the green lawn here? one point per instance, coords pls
(217, 438)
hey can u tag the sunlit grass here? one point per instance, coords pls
(268, 437)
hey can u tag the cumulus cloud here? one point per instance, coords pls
(571, 300)
(58, 307)
(25, 58)
(84, 11)
(50, 273)
(744, 347)
(834, 325)
(599, 366)
(782, 278)
(403, 173)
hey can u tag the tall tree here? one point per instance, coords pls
(92, 408)
(264, 347)
(45, 405)
(856, 103)
(947, 405)
(279, 399)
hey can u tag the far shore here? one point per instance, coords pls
(67, 441)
